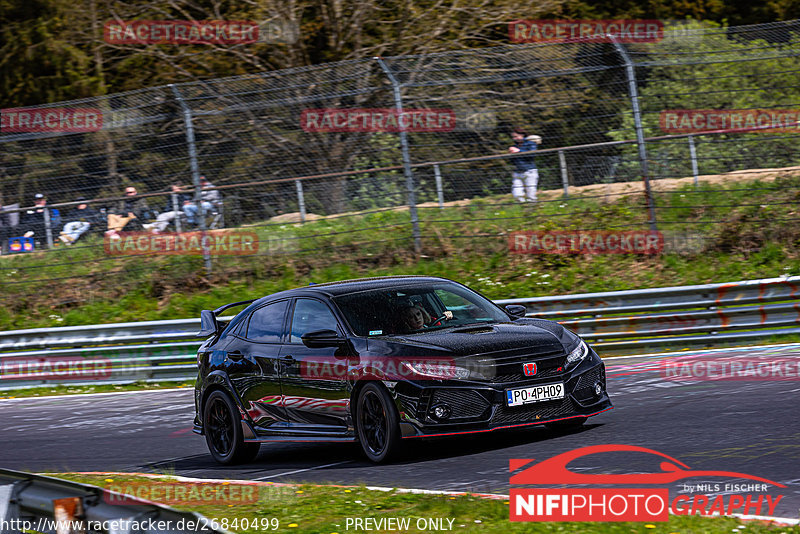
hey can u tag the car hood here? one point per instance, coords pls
(482, 339)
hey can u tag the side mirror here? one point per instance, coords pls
(516, 311)
(322, 338)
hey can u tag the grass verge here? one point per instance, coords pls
(316, 509)
(61, 389)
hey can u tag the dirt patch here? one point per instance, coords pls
(294, 217)
(668, 184)
(611, 190)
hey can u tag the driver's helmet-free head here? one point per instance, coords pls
(412, 318)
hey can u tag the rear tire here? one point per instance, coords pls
(223, 429)
(377, 425)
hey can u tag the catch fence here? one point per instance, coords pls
(601, 108)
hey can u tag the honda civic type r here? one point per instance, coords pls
(381, 360)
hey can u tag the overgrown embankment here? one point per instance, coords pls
(717, 232)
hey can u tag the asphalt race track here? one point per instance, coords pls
(747, 426)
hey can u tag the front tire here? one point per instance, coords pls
(223, 430)
(377, 424)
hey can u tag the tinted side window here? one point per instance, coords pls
(266, 324)
(310, 315)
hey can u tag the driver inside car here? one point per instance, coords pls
(413, 318)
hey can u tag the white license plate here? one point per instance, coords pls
(520, 396)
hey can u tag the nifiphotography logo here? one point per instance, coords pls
(624, 501)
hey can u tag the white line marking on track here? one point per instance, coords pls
(303, 470)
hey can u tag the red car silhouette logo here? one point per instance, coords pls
(554, 470)
(529, 368)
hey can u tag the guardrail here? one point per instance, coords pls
(51, 505)
(685, 315)
(613, 322)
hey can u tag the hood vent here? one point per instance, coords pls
(474, 330)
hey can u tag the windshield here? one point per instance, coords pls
(416, 308)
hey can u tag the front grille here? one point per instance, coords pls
(509, 369)
(584, 389)
(516, 377)
(528, 413)
(462, 402)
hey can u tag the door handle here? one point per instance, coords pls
(235, 355)
(289, 360)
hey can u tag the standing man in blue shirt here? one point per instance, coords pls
(526, 175)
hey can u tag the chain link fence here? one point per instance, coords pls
(598, 106)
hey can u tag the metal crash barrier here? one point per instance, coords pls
(613, 322)
(688, 316)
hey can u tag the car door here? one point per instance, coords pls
(254, 369)
(314, 380)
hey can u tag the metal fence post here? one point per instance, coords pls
(412, 200)
(562, 160)
(301, 201)
(637, 118)
(177, 210)
(693, 153)
(48, 230)
(198, 199)
(439, 191)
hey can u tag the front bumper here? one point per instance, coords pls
(481, 407)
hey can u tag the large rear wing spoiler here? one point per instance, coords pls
(209, 326)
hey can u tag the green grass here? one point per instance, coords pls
(747, 233)
(47, 391)
(316, 509)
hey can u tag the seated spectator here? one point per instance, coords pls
(128, 213)
(32, 220)
(209, 200)
(169, 214)
(9, 220)
(80, 220)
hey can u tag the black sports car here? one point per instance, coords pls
(383, 359)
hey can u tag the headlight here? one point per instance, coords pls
(577, 354)
(441, 371)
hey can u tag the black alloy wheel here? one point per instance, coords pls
(377, 423)
(223, 431)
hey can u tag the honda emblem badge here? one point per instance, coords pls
(529, 368)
